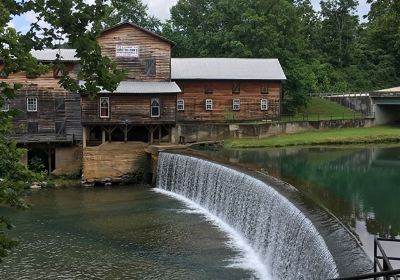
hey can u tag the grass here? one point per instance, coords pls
(322, 109)
(339, 136)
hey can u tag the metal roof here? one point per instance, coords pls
(394, 89)
(144, 87)
(51, 54)
(226, 69)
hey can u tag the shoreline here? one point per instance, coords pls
(326, 137)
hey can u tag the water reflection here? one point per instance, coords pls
(118, 233)
(359, 185)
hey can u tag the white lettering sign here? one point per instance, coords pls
(127, 51)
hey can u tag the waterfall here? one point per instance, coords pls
(286, 241)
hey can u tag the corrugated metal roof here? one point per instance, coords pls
(226, 69)
(394, 89)
(144, 87)
(51, 54)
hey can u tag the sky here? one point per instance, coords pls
(160, 9)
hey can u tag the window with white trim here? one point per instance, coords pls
(209, 104)
(155, 108)
(180, 105)
(5, 107)
(31, 104)
(264, 104)
(236, 104)
(104, 107)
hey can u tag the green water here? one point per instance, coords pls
(115, 233)
(361, 186)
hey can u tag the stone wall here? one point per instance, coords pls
(211, 132)
(357, 102)
(114, 162)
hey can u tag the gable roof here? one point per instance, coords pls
(226, 69)
(140, 28)
(51, 55)
(135, 87)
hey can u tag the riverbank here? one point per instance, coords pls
(337, 136)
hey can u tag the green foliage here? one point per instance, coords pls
(372, 135)
(80, 23)
(131, 11)
(326, 51)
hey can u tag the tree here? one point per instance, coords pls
(132, 11)
(240, 28)
(80, 23)
(338, 28)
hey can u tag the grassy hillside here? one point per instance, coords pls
(378, 134)
(322, 109)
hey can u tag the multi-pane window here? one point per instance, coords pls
(264, 104)
(155, 107)
(236, 87)
(180, 105)
(236, 104)
(209, 104)
(150, 67)
(104, 107)
(31, 104)
(5, 107)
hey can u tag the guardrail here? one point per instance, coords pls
(383, 268)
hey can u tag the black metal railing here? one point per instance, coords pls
(383, 268)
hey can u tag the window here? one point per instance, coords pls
(209, 104)
(208, 88)
(150, 67)
(236, 104)
(31, 104)
(180, 105)
(104, 107)
(155, 107)
(264, 88)
(236, 88)
(264, 104)
(5, 106)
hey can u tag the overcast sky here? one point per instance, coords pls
(160, 9)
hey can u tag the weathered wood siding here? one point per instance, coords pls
(133, 109)
(250, 95)
(56, 120)
(58, 116)
(150, 48)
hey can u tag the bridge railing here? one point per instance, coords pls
(383, 268)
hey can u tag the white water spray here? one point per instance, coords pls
(273, 234)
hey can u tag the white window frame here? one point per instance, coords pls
(180, 105)
(108, 107)
(6, 106)
(158, 106)
(264, 104)
(236, 104)
(209, 105)
(31, 104)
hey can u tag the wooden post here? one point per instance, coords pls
(126, 133)
(151, 134)
(103, 136)
(84, 137)
(49, 160)
(159, 133)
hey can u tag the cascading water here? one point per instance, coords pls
(285, 240)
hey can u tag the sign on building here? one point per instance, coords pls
(126, 51)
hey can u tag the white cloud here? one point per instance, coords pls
(160, 8)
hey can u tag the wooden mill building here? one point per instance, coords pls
(159, 95)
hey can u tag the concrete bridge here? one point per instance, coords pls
(382, 105)
(386, 105)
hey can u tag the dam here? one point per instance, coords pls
(282, 238)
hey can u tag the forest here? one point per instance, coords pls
(331, 50)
